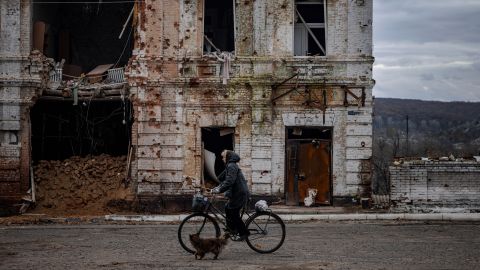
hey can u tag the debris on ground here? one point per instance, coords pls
(80, 185)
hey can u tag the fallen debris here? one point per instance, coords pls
(97, 74)
(80, 184)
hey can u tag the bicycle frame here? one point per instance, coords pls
(217, 213)
(256, 223)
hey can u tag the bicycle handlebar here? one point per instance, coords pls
(204, 189)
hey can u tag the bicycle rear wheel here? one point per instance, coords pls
(200, 223)
(267, 232)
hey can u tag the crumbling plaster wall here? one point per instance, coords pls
(435, 185)
(20, 76)
(176, 91)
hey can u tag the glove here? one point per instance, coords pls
(216, 190)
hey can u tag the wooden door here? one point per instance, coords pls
(308, 166)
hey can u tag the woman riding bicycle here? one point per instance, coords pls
(235, 188)
(266, 230)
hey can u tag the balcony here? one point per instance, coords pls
(103, 82)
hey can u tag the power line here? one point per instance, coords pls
(124, 47)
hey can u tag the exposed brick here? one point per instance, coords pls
(429, 184)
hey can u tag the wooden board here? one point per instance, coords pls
(39, 29)
(95, 75)
(314, 171)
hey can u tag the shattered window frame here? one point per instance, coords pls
(303, 35)
(206, 40)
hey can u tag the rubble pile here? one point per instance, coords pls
(80, 184)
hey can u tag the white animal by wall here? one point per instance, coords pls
(310, 199)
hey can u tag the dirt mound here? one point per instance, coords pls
(80, 185)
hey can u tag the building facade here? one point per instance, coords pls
(297, 109)
(286, 84)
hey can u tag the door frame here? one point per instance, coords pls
(330, 140)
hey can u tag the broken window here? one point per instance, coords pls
(214, 141)
(218, 26)
(310, 28)
(88, 35)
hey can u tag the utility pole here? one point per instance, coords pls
(408, 146)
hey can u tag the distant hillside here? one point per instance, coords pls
(451, 124)
(434, 129)
(419, 109)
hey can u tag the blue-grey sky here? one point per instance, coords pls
(427, 49)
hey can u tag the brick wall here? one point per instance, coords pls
(12, 34)
(19, 80)
(427, 185)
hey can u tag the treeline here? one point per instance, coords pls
(416, 128)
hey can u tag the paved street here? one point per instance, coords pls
(314, 245)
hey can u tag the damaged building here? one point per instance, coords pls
(435, 185)
(63, 94)
(286, 84)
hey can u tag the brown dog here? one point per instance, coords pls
(205, 245)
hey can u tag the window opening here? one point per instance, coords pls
(86, 35)
(218, 26)
(296, 133)
(309, 32)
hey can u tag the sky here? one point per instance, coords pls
(427, 49)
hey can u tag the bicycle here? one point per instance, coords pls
(267, 230)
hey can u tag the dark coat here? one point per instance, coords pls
(233, 183)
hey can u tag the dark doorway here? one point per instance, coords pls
(308, 158)
(214, 141)
(61, 130)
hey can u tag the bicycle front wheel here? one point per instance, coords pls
(267, 232)
(200, 223)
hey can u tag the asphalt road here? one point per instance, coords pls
(313, 245)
